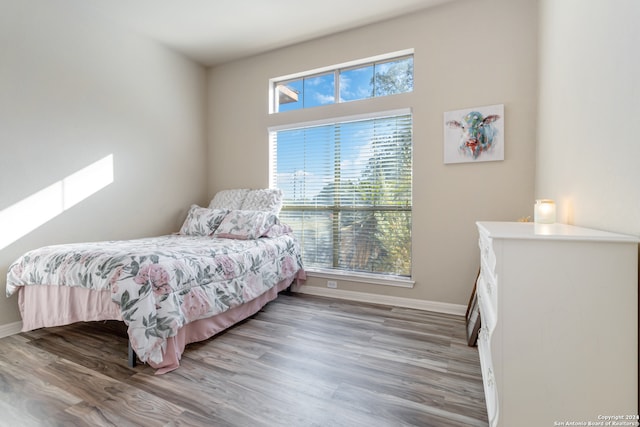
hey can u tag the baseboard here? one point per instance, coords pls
(438, 307)
(10, 329)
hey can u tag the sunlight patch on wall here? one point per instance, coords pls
(30, 213)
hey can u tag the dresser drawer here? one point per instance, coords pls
(487, 254)
(488, 308)
(488, 283)
(488, 377)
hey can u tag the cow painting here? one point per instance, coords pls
(475, 134)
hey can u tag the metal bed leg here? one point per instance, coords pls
(132, 357)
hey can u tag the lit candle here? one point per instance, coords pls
(544, 211)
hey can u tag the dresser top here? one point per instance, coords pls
(529, 230)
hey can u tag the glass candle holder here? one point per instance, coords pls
(544, 211)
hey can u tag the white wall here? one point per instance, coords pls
(75, 88)
(589, 133)
(467, 53)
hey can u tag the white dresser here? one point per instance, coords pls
(559, 312)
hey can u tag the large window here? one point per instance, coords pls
(345, 83)
(347, 191)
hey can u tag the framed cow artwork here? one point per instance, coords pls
(474, 134)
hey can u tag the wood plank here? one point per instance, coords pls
(301, 361)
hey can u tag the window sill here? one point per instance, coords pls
(373, 279)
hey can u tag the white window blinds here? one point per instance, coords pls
(347, 191)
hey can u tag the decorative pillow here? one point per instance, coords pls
(277, 230)
(229, 199)
(245, 225)
(269, 200)
(202, 221)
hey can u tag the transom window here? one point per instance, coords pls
(346, 83)
(347, 188)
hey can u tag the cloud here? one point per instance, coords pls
(325, 99)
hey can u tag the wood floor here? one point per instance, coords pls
(301, 361)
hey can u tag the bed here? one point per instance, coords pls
(223, 266)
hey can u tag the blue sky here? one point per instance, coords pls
(320, 90)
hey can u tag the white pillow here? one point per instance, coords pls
(229, 199)
(245, 225)
(202, 221)
(269, 200)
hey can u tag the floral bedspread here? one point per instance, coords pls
(163, 283)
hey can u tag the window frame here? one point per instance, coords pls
(339, 274)
(336, 69)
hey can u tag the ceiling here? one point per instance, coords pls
(215, 31)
